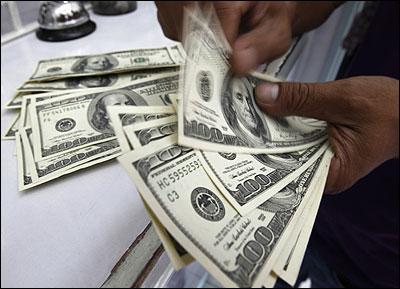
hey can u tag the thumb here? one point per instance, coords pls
(315, 100)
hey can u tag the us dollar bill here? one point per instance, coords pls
(24, 174)
(248, 180)
(147, 132)
(122, 116)
(218, 111)
(238, 251)
(174, 99)
(178, 256)
(292, 247)
(106, 80)
(270, 280)
(10, 133)
(25, 120)
(288, 265)
(77, 120)
(16, 100)
(115, 62)
(288, 268)
(38, 172)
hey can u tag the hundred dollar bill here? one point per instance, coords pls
(25, 119)
(106, 80)
(248, 180)
(292, 247)
(174, 100)
(15, 101)
(290, 244)
(26, 101)
(25, 115)
(289, 270)
(115, 62)
(121, 116)
(76, 120)
(36, 173)
(144, 133)
(289, 263)
(288, 266)
(218, 111)
(178, 256)
(270, 280)
(24, 174)
(11, 131)
(237, 251)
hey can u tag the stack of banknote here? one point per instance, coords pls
(223, 183)
(61, 123)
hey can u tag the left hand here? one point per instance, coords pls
(362, 115)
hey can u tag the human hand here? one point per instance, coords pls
(170, 17)
(362, 115)
(258, 31)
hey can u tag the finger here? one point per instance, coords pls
(342, 175)
(324, 101)
(331, 180)
(265, 42)
(170, 17)
(167, 28)
(344, 169)
(230, 14)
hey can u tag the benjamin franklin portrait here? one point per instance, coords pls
(97, 111)
(241, 112)
(94, 63)
(91, 81)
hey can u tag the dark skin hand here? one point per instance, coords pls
(362, 112)
(258, 31)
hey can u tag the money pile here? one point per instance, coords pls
(62, 124)
(223, 183)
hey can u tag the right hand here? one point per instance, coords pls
(257, 31)
(170, 17)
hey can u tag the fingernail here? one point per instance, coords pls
(267, 93)
(245, 60)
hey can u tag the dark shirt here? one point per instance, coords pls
(357, 231)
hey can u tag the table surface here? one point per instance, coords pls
(72, 231)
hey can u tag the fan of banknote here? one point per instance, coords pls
(223, 183)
